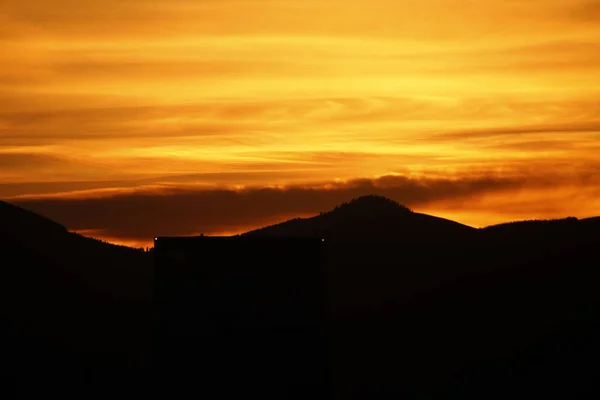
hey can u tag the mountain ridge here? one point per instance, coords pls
(437, 299)
(365, 215)
(372, 210)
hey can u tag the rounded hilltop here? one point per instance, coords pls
(373, 203)
(367, 218)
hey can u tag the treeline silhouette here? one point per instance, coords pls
(417, 306)
(106, 242)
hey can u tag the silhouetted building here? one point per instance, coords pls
(241, 316)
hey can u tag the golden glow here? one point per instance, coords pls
(125, 95)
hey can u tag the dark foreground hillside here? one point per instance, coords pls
(415, 306)
(247, 315)
(74, 312)
(510, 309)
(524, 324)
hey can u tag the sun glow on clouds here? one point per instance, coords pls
(114, 95)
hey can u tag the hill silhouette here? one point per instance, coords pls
(426, 307)
(69, 305)
(366, 217)
(420, 306)
(377, 248)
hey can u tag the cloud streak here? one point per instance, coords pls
(190, 98)
(188, 211)
(141, 214)
(574, 127)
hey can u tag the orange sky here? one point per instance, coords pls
(481, 111)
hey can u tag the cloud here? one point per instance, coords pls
(143, 214)
(586, 11)
(117, 95)
(16, 167)
(139, 214)
(535, 145)
(259, 122)
(374, 17)
(572, 127)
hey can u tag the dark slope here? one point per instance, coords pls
(69, 305)
(420, 306)
(592, 220)
(379, 251)
(23, 224)
(367, 217)
(529, 325)
(117, 271)
(426, 308)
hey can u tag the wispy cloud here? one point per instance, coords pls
(144, 213)
(116, 95)
(548, 129)
(187, 211)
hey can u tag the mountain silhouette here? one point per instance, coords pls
(107, 268)
(69, 305)
(366, 217)
(420, 306)
(426, 307)
(378, 249)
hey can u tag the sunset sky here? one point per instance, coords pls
(130, 119)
